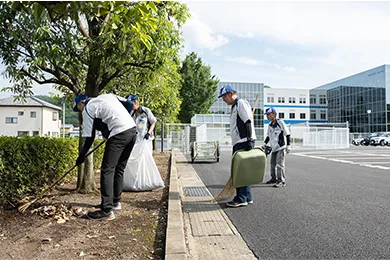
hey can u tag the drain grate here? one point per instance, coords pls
(195, 192)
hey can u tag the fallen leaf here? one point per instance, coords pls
(82, 253)
(111, 237)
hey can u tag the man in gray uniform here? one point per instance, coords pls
(107, 114)
(242, 131)
(279, 138)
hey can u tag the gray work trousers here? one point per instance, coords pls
(278, 172)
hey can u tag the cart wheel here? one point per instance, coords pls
(192, 154)
(218, 153)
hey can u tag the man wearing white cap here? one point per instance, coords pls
(242, 131)
(279, 139)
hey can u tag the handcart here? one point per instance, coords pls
(205, 151)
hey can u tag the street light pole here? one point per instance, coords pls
(369, 120)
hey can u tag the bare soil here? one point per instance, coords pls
(56, 228)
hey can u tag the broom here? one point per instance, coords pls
(23, 208)
(228, 190)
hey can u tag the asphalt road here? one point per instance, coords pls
(335, 205)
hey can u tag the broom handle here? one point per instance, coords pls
(66, 173)
(254, 105)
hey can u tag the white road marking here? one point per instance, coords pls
(370, 165)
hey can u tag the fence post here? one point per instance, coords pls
(162, 135)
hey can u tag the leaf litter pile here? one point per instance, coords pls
(56, 227)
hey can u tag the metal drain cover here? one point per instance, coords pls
(195, 192)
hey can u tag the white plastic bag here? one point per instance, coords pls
(141, 173)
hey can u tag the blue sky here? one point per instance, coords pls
(284, 44)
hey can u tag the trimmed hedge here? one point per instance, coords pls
(29, 164)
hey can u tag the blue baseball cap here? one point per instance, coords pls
(77, 99)
(131, 97)
(226, 89)
(270, 110)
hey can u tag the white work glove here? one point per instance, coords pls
(288, 149)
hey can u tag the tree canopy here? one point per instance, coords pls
(84, 46)
(198, 88)
(94, 47)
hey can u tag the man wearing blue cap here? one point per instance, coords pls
(143, 118)
(242, 131)
(107, 114)
(279, 138)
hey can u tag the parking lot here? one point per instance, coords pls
(365, 156)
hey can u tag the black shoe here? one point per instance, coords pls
(101, 215)
(271, 181)
(280, 184)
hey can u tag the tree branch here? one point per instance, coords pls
(82, 28)
(144, 65)
(62, 82)
(106, 79)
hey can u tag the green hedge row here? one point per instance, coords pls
(29, 164)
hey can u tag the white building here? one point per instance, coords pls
(33, 117)
(296, 106)
(292, 105)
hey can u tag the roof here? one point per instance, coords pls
(30, 102)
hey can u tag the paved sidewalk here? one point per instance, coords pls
(197, 227)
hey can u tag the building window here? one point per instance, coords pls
(291, 100)
(302, 100)
(313, 116)
(55, 116)
(22, 133)
(322, 99)
(35, 133)
(281, 115)
(292, 115)
(323, 114)
(313, 99)
(33, 114)
(303, 116)
(20, 113)
(11, 120)
(270, 99)
(280, 99)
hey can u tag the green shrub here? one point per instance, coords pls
(29, 164)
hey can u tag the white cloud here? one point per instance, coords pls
(198, 33)
(245, 60)
(245, 35)
(253, 62)
(354, 29)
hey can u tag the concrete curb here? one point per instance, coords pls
(175, 246)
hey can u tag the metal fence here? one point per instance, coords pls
(320, 137)
(180, 136)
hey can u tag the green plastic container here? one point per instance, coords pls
(248, 167)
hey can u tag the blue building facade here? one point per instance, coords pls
(362, 99)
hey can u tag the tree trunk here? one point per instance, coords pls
(86, 177)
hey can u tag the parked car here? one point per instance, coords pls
(357, 141)
(367, 140)
(380, 139)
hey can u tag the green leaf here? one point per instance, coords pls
(152, 6)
